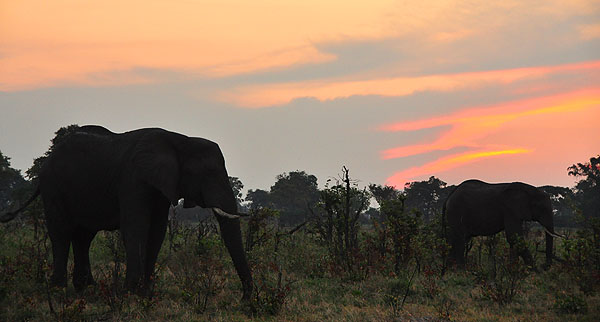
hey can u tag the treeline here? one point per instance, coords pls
(297, 197)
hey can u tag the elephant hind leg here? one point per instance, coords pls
(82, 273)
(457, 250)
(156, 235)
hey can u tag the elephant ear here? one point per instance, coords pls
(160, 170)
(518, 202)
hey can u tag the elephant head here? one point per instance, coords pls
(194, 169)
(541, 211)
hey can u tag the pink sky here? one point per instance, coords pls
(396, 90)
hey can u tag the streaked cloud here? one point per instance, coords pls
(457, 88)
(323, 90)
(486, 132)
(72, 43)
(446, 163)
(588, 32)
(67, 42)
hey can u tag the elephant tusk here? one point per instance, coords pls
(222, 213)
(555, 235)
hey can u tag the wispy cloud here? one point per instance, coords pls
(398, 179)
(324, 90)
(471, 128)
(66, 42)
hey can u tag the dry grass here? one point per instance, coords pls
(327, 297)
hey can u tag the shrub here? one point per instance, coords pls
(337, 225)
(271, 288)
(501, 280)
(199, 271)
(399, 289)
(569, 303)
(582, 256)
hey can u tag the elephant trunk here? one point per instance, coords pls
(232, 237)
(548, 225)
(549, 249)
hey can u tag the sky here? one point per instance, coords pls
(396, 91)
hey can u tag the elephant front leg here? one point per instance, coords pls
(82, 273)
(135, 249)
(134, 230)
(158, 228)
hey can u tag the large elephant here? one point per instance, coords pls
(477, 208)
(99, 180)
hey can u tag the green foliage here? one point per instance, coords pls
(261, 227)
(294, 278)
(12, 184)
(293, 194)
(581, 256)
(563, 201)
(392, 265)
(258, 198)
(237, 186)
(569, 303)
(587, 190)
(264, 241)
(402, 228)
(398, 291)
(501, 280)
(402, 235)
(337, 226)
(199, 271)
(427, 197)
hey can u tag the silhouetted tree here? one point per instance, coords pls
(587, 190)
(258, 199)
(293, 194)
(237, 186)
(563, 200)
(427, 197)
(337, 224)
(381, 195)
(11, 183)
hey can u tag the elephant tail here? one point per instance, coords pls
(11, 215)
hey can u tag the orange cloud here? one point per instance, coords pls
(540, 126)
(323, 90)
(447, 163)
(470, 125)
(588, 32)
(48, 43)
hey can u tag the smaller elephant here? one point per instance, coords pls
(477, 208)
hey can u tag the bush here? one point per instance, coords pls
(582, 256)
(502, 278)
(569, 303)
(199, 271)
(399, 289)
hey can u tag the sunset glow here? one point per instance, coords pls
(446, 163)
(280, 94)
(395, 90)
(474, 129)
(472, 124)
